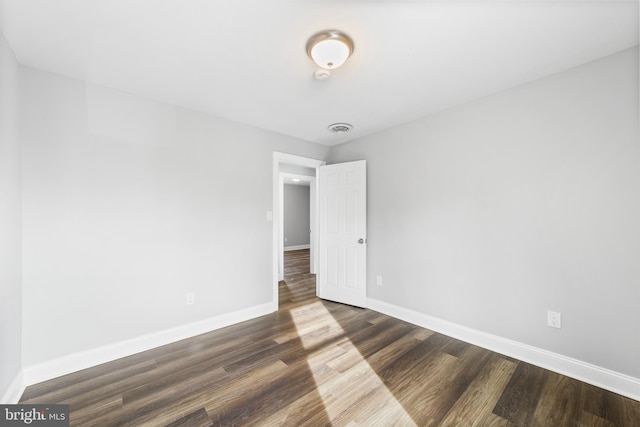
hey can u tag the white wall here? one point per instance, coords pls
(128, 205)
(490, 214)
(10, 219)
(296, 215)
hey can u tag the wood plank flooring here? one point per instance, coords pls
(316, 363)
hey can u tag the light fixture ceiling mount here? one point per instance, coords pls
(330, 49)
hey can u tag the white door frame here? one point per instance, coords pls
(277, 236)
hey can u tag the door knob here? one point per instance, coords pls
(361, 241)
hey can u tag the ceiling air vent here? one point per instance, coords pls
(339, 128)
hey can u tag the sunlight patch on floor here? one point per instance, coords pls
(356, 389)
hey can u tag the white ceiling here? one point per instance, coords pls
(245, 60)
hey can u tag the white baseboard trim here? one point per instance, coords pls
(15, 390)
(86, 359)
(601, 377)
(296, 248)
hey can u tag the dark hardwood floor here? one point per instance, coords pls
(316, 363)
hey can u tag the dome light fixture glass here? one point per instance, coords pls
(330, 49)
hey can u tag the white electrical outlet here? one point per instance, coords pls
(554, 319)
(191, 298)
(379, 280)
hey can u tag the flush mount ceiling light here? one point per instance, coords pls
(330, 49)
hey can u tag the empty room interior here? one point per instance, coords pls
(464, 248)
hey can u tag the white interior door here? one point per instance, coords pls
(342, 220)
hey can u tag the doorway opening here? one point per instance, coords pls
(286, 165)
(299, 212)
